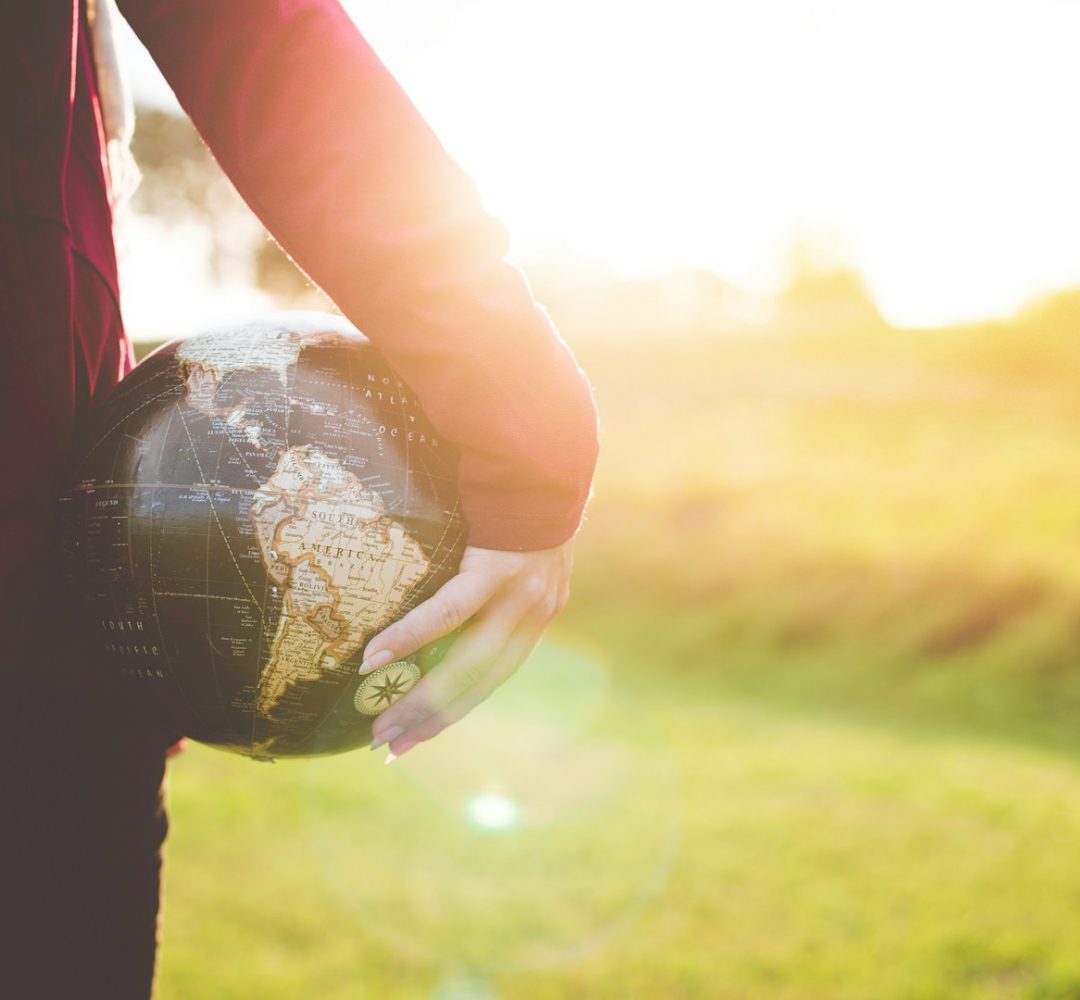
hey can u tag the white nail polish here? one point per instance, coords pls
(379, 659)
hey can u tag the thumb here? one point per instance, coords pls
(449, 607)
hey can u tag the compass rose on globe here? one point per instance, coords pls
(382, 688)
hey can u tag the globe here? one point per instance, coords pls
(252, 505)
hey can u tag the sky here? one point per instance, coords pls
(932, 145)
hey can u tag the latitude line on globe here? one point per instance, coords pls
(209, 597)
(206, 572)
(127, 416)
(173, 676)
(259, 665)
(206, 576)
(438, 547)
(213, 510)
(164, 486)
(261, 678)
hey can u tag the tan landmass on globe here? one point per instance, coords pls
(206, 360)
(344, 564)
(202, 384)
(241, 349)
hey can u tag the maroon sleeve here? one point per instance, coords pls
(337, 162)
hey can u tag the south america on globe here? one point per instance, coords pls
(252, 505)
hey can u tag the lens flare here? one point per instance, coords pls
(522, 837)
(495, 812)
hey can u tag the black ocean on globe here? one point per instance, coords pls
(253, 504)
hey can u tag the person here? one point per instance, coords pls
(330, 153)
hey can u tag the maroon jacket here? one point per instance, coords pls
(332, 156)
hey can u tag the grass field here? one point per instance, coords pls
(793, 856)
(810, 726)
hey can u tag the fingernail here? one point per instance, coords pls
(388, 736)
(402, 750)
(376, 660)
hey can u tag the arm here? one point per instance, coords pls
(333, 157)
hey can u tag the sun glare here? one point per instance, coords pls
(933, 140)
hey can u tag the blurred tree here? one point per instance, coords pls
(824, 293)
(183, 184)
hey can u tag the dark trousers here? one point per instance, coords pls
(82, 818)
(84, 821)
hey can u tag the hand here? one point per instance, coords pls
(505, 600)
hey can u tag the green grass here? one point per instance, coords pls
(667, 846)
(810, 726)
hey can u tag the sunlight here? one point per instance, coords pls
(933, 140)
(932, 137)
